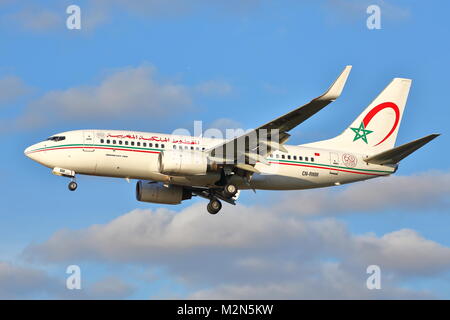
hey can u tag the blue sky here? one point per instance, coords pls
(232, 63)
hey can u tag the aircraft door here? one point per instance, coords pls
(88, 141)
(334, 161)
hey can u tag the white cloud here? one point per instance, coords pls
(326, 281)
(18, 282)
(267, 251)
(95, 13)
(30, 282)
(100, 12)
(412, 193)
(404, 251)
(110, 288)
(37, 19)
(127, 93)
(12, 88)
(130, 92)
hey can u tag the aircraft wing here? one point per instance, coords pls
(256, 144)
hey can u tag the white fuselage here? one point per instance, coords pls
(134, 155)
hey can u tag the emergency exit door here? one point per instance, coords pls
(334, 161)
(88, 141)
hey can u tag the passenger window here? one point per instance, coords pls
(162, 145)
(156, 145)
(186, 147)
(282, 156)
(306, 158)
(114, 141)
(289, 157)
(144, 144)
(203, 149)
(102, 141)
(197, 148)
(126, 143)
(108, 142)
(150, 145)
(120, 142)
(192, 148)
(132, 143)
(138, 144)
(312, 159)
(277, 155)
(295, 157)
(174, 146)
(300, 158)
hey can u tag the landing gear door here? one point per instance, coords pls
(88, 141)
(334, 161)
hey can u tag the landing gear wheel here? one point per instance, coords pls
(72, 186)
(230, 190)
(214, 206)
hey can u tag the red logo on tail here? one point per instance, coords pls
(377, 109)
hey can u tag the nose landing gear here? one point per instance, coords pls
(68, 174)
(72, 186)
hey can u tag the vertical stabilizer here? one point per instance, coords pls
(375, 129)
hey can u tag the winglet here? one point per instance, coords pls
(336, 88)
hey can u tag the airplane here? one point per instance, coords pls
(173, 168)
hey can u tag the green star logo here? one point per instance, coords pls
(361, 133)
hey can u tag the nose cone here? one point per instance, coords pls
(30, 152)
(27, 151)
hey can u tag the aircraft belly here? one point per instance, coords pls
(278, 177)
(279, 182)
(200, 180)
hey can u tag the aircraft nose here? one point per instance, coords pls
(29, 152)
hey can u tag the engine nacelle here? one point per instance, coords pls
(182, 162)
(156, 192)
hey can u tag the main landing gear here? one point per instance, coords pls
(214, 206)
(229, 191)
(223, 190)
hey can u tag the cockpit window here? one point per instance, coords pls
(56, 138)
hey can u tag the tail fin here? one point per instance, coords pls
(375, 130)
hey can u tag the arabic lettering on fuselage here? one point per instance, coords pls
(153, 138)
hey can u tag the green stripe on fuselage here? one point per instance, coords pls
(115, 146)
(327, 165)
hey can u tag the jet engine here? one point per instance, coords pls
(182, 162)
(158, 193)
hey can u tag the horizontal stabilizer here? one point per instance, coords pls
(393, 156)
